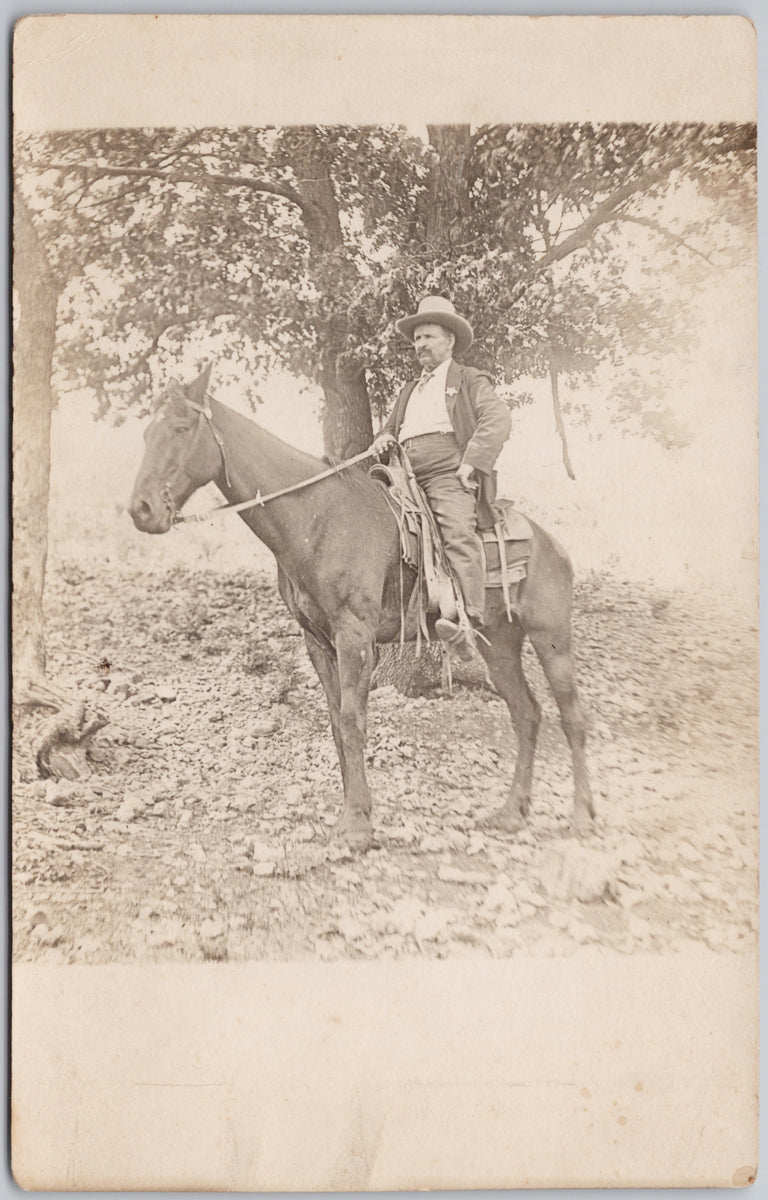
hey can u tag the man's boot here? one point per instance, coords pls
(458, 636)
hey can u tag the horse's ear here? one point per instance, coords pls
(196, 391)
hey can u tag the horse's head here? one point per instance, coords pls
(181, 455)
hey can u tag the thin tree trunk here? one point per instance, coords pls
(36, 296)
(554, 379)
(60, 745)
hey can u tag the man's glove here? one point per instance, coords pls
(382, 442)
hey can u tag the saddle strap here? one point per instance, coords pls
(431, 540)
(499, 529)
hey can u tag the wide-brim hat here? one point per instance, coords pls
(436, 310)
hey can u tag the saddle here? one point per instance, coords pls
(507, 545)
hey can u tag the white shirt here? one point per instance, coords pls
(425, 411)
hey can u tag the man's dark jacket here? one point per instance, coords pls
(480, 421)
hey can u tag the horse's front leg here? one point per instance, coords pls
(354, 655)
(324, 661)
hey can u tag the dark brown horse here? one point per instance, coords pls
(338, 555)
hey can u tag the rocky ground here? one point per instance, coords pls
(202, 831)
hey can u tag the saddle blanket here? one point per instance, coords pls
(516, 531)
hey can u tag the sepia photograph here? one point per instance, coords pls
(384, 622)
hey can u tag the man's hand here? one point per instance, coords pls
(382, 442)
(466, 477)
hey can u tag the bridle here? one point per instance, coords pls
(203, 410)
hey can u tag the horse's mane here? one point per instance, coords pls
(355, 478)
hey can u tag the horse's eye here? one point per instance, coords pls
(181, 429)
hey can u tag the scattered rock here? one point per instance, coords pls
(710, 889)
(526, 895)
(404, 914)
(433, 924)
(639, 928)
(456, 875)
(352, 929)
(476, 844)
(293, 794)
(61, 794)
(167, 932)
(130, 808)
(264, 727)
(121, 686)
(262, 851)
(212, 938)
(48, 937)
(688, 852)
(432, 843)
(264, 868)
(196, 852)
(87, 944)
(574, 872)
(679, 890)
(39, 916)
(581, 932)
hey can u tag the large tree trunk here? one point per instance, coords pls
(347, 426)
(447, 208)
(36, 294)
(448, 194)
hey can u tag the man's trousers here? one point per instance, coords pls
(435, 458)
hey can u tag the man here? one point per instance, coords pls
(452, 426)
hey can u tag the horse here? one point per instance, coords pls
(340, 574)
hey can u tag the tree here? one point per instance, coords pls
(302, 245)
(61, 742)
(37, 295)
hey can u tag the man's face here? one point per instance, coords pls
(433, 345)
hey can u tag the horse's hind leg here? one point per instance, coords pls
(506, 672)
(554, 652)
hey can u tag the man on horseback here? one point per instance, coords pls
(452, 426)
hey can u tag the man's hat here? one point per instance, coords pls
(436, 310)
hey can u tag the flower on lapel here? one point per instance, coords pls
(451, 391)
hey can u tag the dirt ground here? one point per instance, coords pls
(202, 832)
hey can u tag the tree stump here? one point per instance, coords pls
(425, 674)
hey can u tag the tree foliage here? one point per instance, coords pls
(300, 246)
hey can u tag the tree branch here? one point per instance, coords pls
(208, 178)
(606, 210)
(665, 233)
(559, 423)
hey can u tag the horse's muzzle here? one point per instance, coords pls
(147, 518)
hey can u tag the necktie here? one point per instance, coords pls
(424, 380)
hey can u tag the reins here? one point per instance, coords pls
(258, 500)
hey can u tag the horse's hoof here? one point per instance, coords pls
(504, 819)
(581, 823)
(356, 836)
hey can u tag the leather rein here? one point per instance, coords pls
(258, 500)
